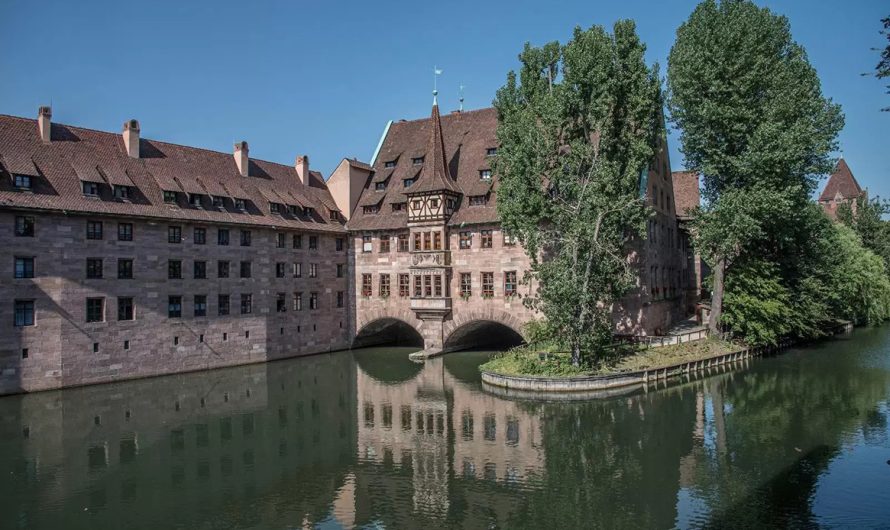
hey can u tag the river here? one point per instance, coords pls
(370, 439)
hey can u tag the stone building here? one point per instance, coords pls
(841, 188)
(128, 257)
(695, 270)
(430, 254)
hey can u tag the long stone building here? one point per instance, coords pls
(127, 257)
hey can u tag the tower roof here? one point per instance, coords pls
(841, 182)
(435, 175)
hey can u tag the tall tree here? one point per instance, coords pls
(576, 128)
(882, 70)
(752, 120)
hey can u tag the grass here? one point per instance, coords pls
(546, 361)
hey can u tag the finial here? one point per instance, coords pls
(461, 99)
(436, 73)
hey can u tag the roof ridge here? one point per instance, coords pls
(454, 113)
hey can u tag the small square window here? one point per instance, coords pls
(24, 268)
(24, 313)
(95, 309)
(22, 182)
(491, 151)
(24, 226)
(200, 236)
(91, 189)
(417, 161)
(170, 197)
(174, 307)
(122, 192)
(94, 229)
(389, 164)
(485, 174)
(174, 234)
(125, 231)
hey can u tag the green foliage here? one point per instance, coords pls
(758, 306)
(576, 128)
(862, 281)
(867, 220)
(882, 70)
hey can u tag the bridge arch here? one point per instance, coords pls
(399, 328)
(481, 328)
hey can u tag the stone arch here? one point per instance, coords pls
(380, 327)
(465, 324)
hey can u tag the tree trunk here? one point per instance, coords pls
(576, 355)
(717, 296)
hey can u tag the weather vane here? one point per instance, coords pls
(436, 73)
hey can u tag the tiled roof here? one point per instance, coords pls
(686, 192)
(841, 182)
(435, 174)
(466, 137)
(77, 154)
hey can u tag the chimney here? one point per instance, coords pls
(241, 158)
(302, 167)
(131, 138)
(44, 122)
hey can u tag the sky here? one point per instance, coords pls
(323, 78)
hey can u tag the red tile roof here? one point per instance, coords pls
(686, 192)
(841, 182)
(466, 137)
(77, 154)
(435, 174)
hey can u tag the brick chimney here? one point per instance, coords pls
(241, 158)
(302, 166)
(131, 138)
(44, 123)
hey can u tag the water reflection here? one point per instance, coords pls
(372, 440)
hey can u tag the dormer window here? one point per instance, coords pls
(91, 189)
(371, 209)
(195, 200)
(22, 182)
(294, 210)
(398, 206)
(389, 164)
(380, 186)
(409, 182)
(218, 202)
(274, 207)
(491, 151)
(170, 197)
(308, 211)
(122, 192)
(478, 200)
(240, 205)
(417, 161)
(333, 215)
(485, 174)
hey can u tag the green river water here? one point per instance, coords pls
(369, 439)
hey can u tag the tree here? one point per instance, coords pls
(577, 126)
(752, 121)
(867, 220)
(882, 70)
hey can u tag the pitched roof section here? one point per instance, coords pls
(686, 192)
(435, 175)
(841, 182)
(77, 154)
(466, 137)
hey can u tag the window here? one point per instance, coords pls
(491, 151)
(125, 231)
(125, 308)
(313, 270)
(200, 269)
(487, 284)
(240, 205)
(195, 200)
(374, 208)
(478, 200)
(408, 182)
(279, 269)
(298, 270)
(298, 301)
(245, 269)
(418, 287)
(174, 269)
(466, 240)
(94, 229)
(222, 237)
(217, 202)
(509, 239)
(94, 268)
(437, 240)
(200, 305)
(339, 244)
(486, 239)
(90, 189)
(418, 243)
(403, 242)
(222, 304)
(308, 211)
(466, 284)
(313, 242)
(427, 243)
(95, 309)
(280, 303)
(384, 244)
(200, 236)
(384, 285)
(437, 285)
(339, 270)
(174, 234)
(222, 269)
(24, 313)
(22, 181)
(174, 306)
(24, 226)
(245, 238)
(246, 304)
(485, 174)
(367, 244)
(313, 301)
(24, 268)
(398, 206)
(427, 286)
(403, 285)
(417, 161)
(366, 285)
(279, 240)
(380, 186)
(390, 163)
(124, 269)
(274, 207)
(434, 203)
(169, 197)
(341, 296)
(509, 283)
(298, 241)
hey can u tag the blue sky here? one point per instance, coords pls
(322, 78)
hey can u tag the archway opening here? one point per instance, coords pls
(387, 332)
(483, 335)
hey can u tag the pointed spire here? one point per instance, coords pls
(842, 183)
(435, 175)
